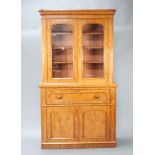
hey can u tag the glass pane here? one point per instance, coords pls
(62, 51)
(92, 51)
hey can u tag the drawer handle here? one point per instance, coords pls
(97, 96)
(59, 97)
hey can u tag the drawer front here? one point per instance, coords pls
(78, 97)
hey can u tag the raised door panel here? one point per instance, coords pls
(94, 123)
(61, 50)
(93, 44)
(61, 124)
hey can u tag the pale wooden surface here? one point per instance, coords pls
(78, 113)
(77, 12)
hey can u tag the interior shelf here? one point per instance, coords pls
(93, 47)
(62, 62)
(61, 33)
(93, 33)
(62, 48)
(93, 62)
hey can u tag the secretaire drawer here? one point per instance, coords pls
(78, 97)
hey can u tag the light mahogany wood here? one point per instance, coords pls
(62, 124)
(78, 112)
(77, 12)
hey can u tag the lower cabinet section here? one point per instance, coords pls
(72, 124)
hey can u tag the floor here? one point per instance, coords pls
(31, 146)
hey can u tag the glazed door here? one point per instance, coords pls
(94, 123)
(61, 47)
(62, 124)
(93, 50)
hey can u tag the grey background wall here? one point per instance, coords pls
(31, 72)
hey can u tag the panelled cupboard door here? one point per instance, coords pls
(94, 123)
(93, 59)
(61, 50)
(62, 124)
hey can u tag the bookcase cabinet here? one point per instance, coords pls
(78, 94)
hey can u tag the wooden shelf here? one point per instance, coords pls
(93, 47)
(93, 33)
(93, 62)
(58, 48)
(62, 62)
(61, 33)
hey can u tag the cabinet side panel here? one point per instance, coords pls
(43, 114)
(43, 124)
(44, 51)
(110, 51)
(113, 114)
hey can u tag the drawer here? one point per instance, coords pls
(81, 97)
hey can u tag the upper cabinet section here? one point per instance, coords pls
(77, 46)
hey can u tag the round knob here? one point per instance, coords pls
(97, 96)
(62, 48)
(59, 97)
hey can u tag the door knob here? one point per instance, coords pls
(59, 97)
(97, 96)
